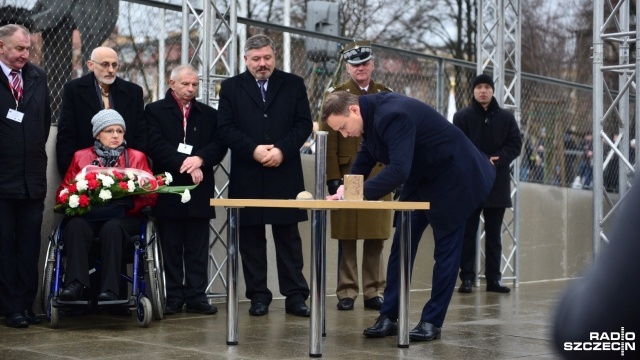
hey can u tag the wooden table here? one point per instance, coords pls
(318, 248)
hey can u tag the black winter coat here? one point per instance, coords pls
(165, 123)
(23, 155)
(245, 122)
(502, 139)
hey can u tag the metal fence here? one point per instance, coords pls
(556, 116)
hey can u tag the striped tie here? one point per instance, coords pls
(16, 83)
(263, 91)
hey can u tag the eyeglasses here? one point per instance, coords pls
(113, 132)
(106, 65)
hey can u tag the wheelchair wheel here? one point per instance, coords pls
(154, 276)
(54, 315)
(47, 277)
(144, 311)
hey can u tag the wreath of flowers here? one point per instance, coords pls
(97, 186)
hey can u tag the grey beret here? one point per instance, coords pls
(106, 118)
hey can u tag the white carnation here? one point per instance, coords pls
(169, 179)
(186, 196)
(80, 176)
(105, 194)
(63, 191)
(82, 185)
(74, 201)
(106, 180)
(131, 185)
(130, 174)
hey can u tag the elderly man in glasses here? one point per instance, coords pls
(84, 97)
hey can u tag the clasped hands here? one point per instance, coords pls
(268, 155)
(191, 166)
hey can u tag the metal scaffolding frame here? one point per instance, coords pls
(209, 43)
(612, 84)
(498, 49)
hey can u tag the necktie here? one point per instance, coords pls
(262, 89)
(16, 83)
(363, 91)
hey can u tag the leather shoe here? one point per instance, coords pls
(258, 309)
(202, 308)
(72, 292)
(172, 308)
(31, 318)
(15, 320)
(107, 296)
(374, 303)
(345, 304)
(298, 309)
(465, 287)
(384, 326)
(496, 286)
(425, 331)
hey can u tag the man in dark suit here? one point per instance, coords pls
(495, 132)
(183, 141)
(82, 98)
(24, 129)
(264, 118)
(437, 163)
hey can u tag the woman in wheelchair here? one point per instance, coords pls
(112, 225)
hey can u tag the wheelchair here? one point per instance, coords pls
(148, 275)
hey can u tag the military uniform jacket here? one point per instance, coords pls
(341, 152)
(420, 148)
(245, 121)
(495, 132)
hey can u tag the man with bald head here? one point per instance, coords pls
(100, 89)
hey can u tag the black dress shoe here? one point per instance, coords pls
(345, 304)
(172, 308)
(15, 320)
(424, 331)
(496, 286)
(202, 308)
(374, 303)
(258, 309)
(465, 287)
(298, 309)
(107, 296)
(384, 326)
(31, 318)
(72, 292)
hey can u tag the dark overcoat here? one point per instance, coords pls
(80, 102)
(420, 148)
(165, 123)
(341, 152)
(495, 132)
(245, 121)
(24, 160)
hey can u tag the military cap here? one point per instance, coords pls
(357, 52)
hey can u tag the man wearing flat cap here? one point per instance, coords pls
(374, 226)
(495, 133)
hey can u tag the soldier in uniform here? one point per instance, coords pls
(374, 226)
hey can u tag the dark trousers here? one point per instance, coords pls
(20, 225)
(185, 251)
(445, 270)
(493, 244)
(113, 235)
(253, 248)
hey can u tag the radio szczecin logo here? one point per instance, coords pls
(612, 341)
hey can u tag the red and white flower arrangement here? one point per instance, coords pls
(96, 186)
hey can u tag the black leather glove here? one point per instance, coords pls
(397, 192)
(126, 202)
(333, 185)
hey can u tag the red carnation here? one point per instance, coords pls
(118, 175)
(123, 185)
(92, 184)
(63, 198)
(90, 176)
(84, 200)
(72, 188)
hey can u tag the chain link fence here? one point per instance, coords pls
(556, 116)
